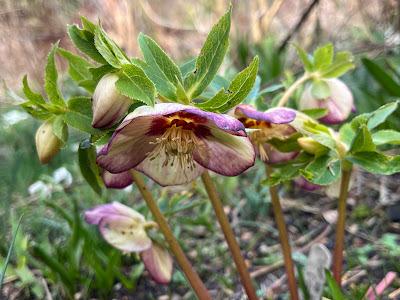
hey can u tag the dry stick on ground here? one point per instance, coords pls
(229, 236)
(299, 24)
(193, 278)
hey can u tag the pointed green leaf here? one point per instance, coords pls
(84, 41)
(88, 25)
(323, 56)
(381, 114)
(362, 141)
(376, 163)
(51, 76)
(60, 129)
(320, 89)
(315, 113)
(304, 57)
(334, 288)
(323, 170)
(35, 98)
(78, 66)
(384, 137)
(210, 58)
(188, 67)
(134, 84)
(81, 104)
(342, 63)
(87, 163)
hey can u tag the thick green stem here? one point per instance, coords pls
(229, 236)
(191, 275)
(286, 96)
(340, 226)
(284, 239)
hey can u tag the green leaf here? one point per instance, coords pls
(33, 97)
(342, 63)
(286, 145)
(210, 58)
(60, 129)
(88, 25)
(51, 76)
(381, 114)
(80, 121)
(134, 84)
(10, 249)
(304, 57)
(323, 170)
(81, 104)
(384, 137)
(78, 67)
(362, 141)
(320, 89)
(347, 134)
(376, 163)
(382, 77)
(188, 67)
(315, 113)
(159, 67)
(239, 88)
(87, 163)
(99, 72)
(110, 51)
(84, 41)
(334, 288)
(323, 56)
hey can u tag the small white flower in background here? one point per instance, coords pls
(318, 260)
(14, 116)
(39, 188)
(62, 176)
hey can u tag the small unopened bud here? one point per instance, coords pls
(47, 143)
(109, 106)
(311, 146)
(339, 103)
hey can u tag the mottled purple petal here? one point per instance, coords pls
(277, 115)
(225, 154)
(117, 181)
(158, 263)
(166, 175)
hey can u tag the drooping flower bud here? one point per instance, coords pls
(47, 143)
(304, 184)
(339, 103)
(311, 146)
(158, 263)
(109, 106)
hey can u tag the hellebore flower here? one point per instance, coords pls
(339, 104)
(125, 229)
(47, 143)
(109, 106)
(173, 144)
(116, 181)
(304, 184)
(265, 126)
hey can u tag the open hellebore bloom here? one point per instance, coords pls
(109, 106)
(125, 229)
(47, 143)
(173, 144)
(267, 125)
(339, 104)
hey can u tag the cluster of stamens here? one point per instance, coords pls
(178, 144)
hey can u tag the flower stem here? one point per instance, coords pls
(340, 226)
(193, 278)
(286, 96)
(229, 236)
(283, 238)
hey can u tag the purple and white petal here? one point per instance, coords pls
(124, 233)
(224, 153)
(273, 156)
(117, 181)
(129, 146)
(158, 262)
(172, 173)
(278, 115)
(94, 215)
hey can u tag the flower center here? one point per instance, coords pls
(177, 143)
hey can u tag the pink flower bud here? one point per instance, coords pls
(304, 184)
(158, 263)
(339, 103)
(109, 106)
(47, 143)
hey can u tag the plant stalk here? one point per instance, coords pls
(283, 239)
(191, 275)
(286, 96)
(229, 236)
(340, 226)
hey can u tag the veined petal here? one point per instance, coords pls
(170, 174)
(158, 263)
(124, 233)
(129, 145)
(278, 115)
(224, 153)
(94, 215)
(117, 181)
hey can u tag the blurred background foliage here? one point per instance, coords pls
(56, 255)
